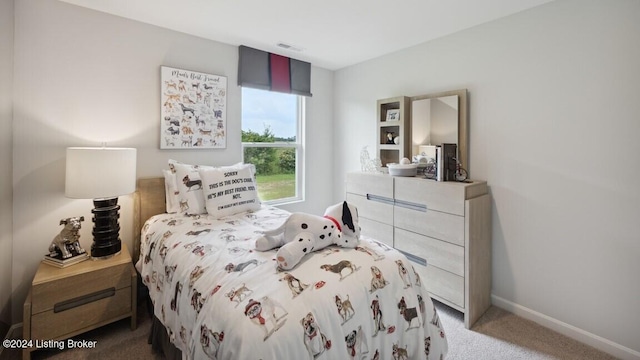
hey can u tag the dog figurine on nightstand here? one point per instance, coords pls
(67, 243)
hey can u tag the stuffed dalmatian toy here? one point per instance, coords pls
(303, 233)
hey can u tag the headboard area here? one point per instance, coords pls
(149, 200)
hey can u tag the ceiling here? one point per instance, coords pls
(331, 34)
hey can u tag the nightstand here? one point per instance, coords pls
(66, 302)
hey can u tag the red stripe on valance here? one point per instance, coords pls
(280, 78)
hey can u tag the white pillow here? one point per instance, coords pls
(171, 192)
(230, 190)
(191, 198)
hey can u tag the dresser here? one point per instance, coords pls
(444, 228)
(66, 302)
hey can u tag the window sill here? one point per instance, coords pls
(288, 201)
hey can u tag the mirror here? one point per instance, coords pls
(440, 118)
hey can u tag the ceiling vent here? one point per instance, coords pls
(288, 46)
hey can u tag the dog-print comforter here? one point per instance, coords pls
(219, 298)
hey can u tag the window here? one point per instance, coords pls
(271, 140)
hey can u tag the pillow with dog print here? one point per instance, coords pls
(171, 192)
(230, 190)
(190, 196)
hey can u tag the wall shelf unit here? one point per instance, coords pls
(387, 150)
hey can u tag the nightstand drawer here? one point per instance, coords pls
(47, 294)
(431, 223)
(438, 253)
(51, 325)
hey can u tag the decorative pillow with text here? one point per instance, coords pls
(230, 190)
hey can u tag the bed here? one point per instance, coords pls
(216, 297)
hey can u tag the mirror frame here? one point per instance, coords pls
(463, 121)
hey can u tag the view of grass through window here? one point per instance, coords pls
(269, 137)
(275, 171)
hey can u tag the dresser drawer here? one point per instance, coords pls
(447, 197)
(438, 253)
(431, 223)
(377, 231)
(52, 325)
(442, 284)
(46, 295)
(372, 209)
(370, 184)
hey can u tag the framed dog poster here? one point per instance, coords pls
(193, 110)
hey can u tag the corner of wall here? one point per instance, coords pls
(6, 161)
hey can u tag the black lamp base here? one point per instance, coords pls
(106, 229)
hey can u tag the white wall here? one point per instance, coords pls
(554, 129)
(83, 77)
(6, 199)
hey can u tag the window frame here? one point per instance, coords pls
(298, 145)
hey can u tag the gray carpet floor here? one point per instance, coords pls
(501, 335)
(497, 335)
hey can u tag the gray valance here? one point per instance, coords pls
(267, 71)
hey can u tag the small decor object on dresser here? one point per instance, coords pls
(449, 155)
(193, 110)
(403, 169)
(367, 164)
(460, 173)
(430, 171)
(65, 248)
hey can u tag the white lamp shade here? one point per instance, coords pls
(97, 173)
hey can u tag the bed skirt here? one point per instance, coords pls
(159, 340)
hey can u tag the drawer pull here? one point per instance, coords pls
(416, 259)
(412, 206)
(382, 199)
(84, 299)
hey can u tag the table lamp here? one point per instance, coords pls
(102, 174)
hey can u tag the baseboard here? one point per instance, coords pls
(598, 342)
